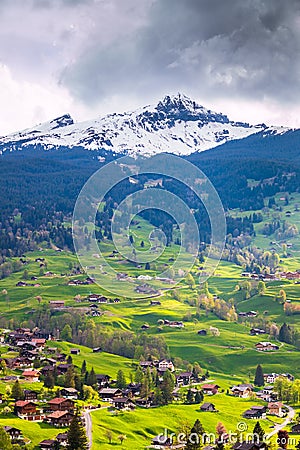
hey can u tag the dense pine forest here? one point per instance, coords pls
(39, 189)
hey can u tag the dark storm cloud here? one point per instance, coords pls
(213, 48)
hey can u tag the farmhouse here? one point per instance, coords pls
(266, 347)
(123, 403)
(31, 375)
(63, 368)
(242, 390)
(47, 444)
(60, 418)
(14, 433)
(271, 377)
(30, 395)
(166, 364)
(39, 343)
(275, 409)
(69, 393)
(103, 380)
(155, 303)
(256, 331)
(255, 412)
(25, 408)
(210, 389)
(62, 438)
(61, 404)
(184, 378)
(108, 394)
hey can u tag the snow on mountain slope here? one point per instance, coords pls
(176, 125)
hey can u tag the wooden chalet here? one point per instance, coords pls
(103, 380)
(31, 375)
(210, 389)
(48, 444)
(25, 408)
(255, 412)
(60, 418)
(242, 390)
(123, 403)
(208, 407)
(14, 433)
(61, 404)
(30, 395)
(275, 409)
(108, 394)
(69, 393)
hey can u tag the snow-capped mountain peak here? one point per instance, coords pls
(176, 124)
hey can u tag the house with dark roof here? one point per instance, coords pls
(123, 403)
(184, 378)
(208, 407)
(71, 393)
(108, 394)
(47, 444)
(30, 395)
(103, 380)
(256, 412)
(14, 433)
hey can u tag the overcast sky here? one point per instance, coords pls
(90, 57)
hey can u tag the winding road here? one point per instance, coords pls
(280, 426)
(88, 427)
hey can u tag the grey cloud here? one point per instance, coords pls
(208, 47)
(100, 49)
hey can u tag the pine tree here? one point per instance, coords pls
(92, 379)
(196, 371)
(49, 381)
(167, 387)
(138, 376)
(77, 439)
(258, 432)
(189, 397)
(199, 397)
(195, 438)
(259, 376)
(146, 384)
(69, 377)
(121, 380)
(83, 368)
(285, 334)
(78, 382)
(17, 392)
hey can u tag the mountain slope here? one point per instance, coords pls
(176, 125)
